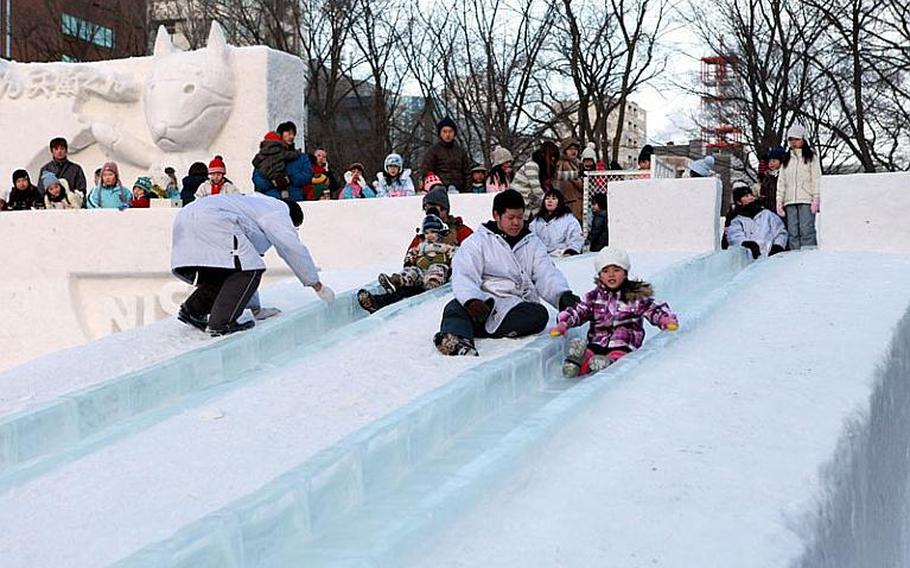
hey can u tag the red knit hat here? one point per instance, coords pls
(431, 181)
(217, 165)
(272, 136)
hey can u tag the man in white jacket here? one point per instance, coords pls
(218, 243)
(499, 275)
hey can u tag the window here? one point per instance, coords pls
(68, 59)
(99, 35)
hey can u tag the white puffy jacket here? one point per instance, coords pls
(205, 232)
(559, 234)
(487, 267)
(766, 229)
(798, 181)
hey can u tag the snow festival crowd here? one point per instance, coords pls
(500, 272)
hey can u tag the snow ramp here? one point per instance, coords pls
(367, 499)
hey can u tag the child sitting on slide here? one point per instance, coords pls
(429, 264)
(615, 308)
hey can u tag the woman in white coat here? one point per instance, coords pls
(557, 227)
(798, 189)
(499, 276)
(218, 244)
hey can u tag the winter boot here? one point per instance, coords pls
(575, 357)
(374, 302)
(232, 327)
(451, 344)
(599, 363)
(186, 317)
(391, 283)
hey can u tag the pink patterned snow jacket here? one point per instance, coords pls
(616, 315)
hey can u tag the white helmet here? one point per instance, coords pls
(612, 256)
(393, 160)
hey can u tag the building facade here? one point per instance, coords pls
(72, 30)
(634, 132)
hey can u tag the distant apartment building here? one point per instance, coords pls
(72, 30)
(634, 131)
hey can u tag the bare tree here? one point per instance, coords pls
(481, 62)
(610, 53)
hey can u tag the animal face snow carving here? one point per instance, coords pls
(189, 95)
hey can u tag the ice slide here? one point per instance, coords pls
(772, 434)
(195, 454)
(322, 478)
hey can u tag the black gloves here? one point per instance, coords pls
(775, 249)
(478, 310)
(752, 246)
(567, 299)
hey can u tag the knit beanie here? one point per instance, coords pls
(500, 156)
(446, 121)
(568, 143)
(145, 183)
(112, 167)
(612, 256)
(432, 223)
(797, 131)
(273, 136)
(589, 152)
(777, 153)
(430, 181)
(438, 197)
(217, 166)
(18, 174)
(478, 168)
(47, 179)
(703, 167)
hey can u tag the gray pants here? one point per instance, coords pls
(800, 225)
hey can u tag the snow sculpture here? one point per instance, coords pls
(187, 100)
(170, 109)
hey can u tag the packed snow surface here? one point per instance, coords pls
(138, 490)
(714, 454)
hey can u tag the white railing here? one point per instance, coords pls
(597, 181)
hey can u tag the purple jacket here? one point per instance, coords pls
(616, 315)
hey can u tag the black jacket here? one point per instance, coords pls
(190, 185)
(67, 170)
(29, 198)
(599, 235)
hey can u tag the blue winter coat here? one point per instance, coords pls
(102, 197)
(485, 266)
(300, 172)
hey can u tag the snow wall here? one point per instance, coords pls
(170, 109)
(863, 519)
(665, 214)
(861, 213)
